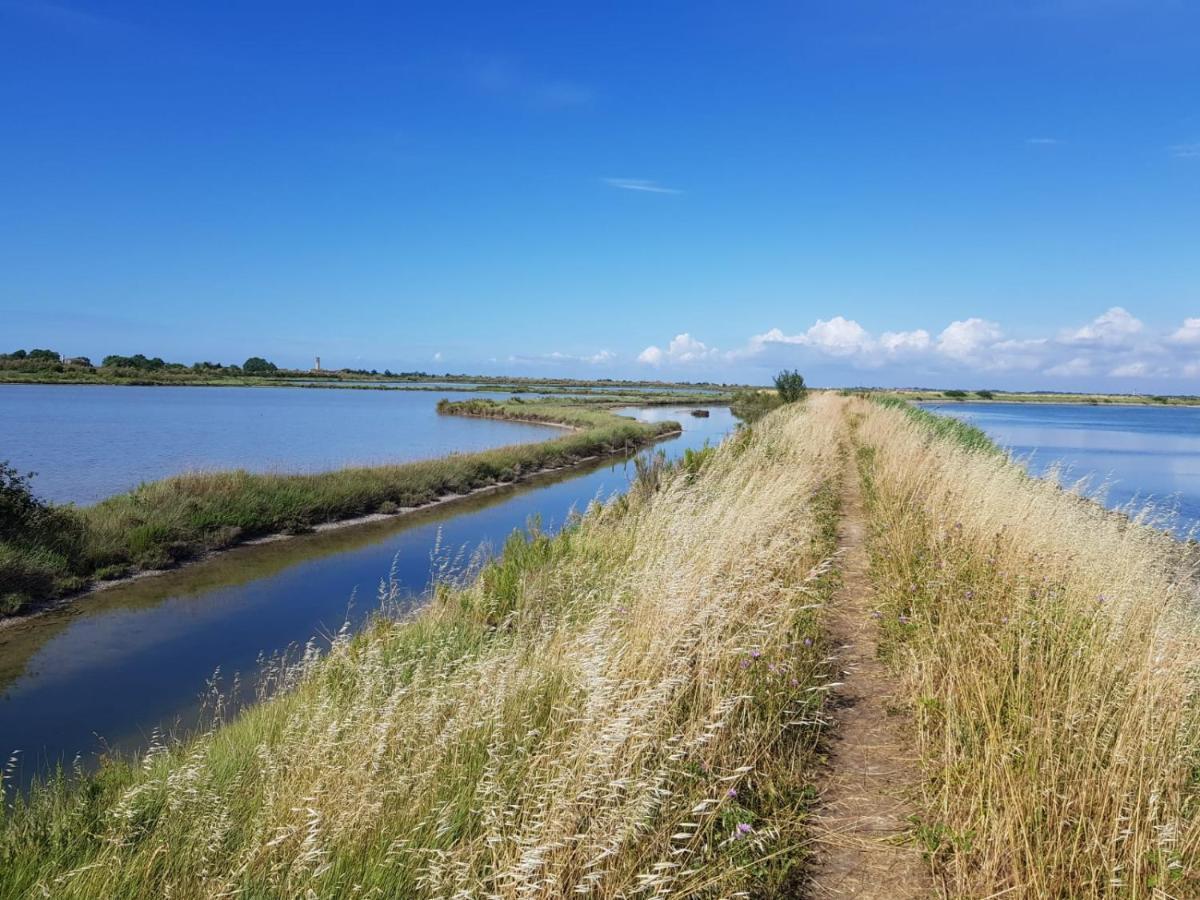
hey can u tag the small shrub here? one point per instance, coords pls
(790, 386)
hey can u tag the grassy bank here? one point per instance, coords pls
(990, 396)
(1049, 654)
(628, 708)
(167, 522)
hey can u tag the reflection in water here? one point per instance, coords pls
(127, 660)
(1137, 453)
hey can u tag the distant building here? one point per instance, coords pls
(317, 367)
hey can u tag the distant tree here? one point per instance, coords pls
(954, 394)
(790, 386)
(16, 354)
(256, 365)
(44, 355)
(985, 395)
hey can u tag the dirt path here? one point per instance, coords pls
(860, 832)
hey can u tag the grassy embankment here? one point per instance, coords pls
(48, 552)
(987, 396)
(1050, 654)
(629, 707)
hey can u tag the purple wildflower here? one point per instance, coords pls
(744, 829)
(731, 793)
(745, 664)
(808, 642)
(756, 653)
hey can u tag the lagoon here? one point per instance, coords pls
(88, 442)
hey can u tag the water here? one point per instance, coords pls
(1139, 453)
(87, 442)
(108, 670)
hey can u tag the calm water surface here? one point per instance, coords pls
(1139, 453)
(87, 442)
(117, 665)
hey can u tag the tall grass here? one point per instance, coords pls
(162, 523)
(629, 708)
(1050, 653)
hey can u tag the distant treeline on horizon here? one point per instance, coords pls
(42, 361)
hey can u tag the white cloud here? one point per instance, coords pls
(1188, 333)
(682, 349)
(838, 337)
(1043, 141)
(640, 184)
(904, 342)
(1137, 369)
(437, 357)
(964, 340)
(1112, 328)
(1075, 366)
(1114, 344)
(1185, 151)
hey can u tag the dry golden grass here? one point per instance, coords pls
(1051, 653)
(626, 709)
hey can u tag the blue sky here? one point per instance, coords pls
(941, 193)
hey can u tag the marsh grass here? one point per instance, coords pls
(163, 523)
(627, 708)
(1050, 653)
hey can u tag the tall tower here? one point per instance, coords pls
(317, 367)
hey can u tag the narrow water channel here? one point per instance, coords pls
(105, 673)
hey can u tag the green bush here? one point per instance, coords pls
(790, 386)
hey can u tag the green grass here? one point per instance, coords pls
(164, 523)
(965, 435)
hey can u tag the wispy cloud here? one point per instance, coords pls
(1043, 141)
(1185, 151)
(640, 184)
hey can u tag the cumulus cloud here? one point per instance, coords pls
(1112, 328)
(1187, 334)
(1073, 367)
(1135, 369)
(682, 349)
(1113, 344)
(964, 340)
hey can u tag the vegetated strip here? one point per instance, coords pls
(54, 551)
(628, 707)
(1049, 652)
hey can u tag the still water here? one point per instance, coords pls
(87, 442)
(107, 671)
(1137, 454)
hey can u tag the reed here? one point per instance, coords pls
(1049, 651)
